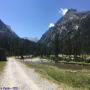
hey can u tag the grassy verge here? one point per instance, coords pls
(2, 64)
(68, 78)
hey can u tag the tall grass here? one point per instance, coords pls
(68, 78)
(2, 65)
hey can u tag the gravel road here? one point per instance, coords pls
(17, 76)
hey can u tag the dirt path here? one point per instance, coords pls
(17, 76)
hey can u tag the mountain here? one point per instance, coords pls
(7, 36)
(12, 43)
(73, 27)
(34, 39)
(5, 31)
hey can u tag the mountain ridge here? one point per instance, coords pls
(71, 29)
(72, 16)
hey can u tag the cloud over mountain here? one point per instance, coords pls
(63, 11)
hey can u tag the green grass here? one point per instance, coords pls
(67, 78)
(2, 65)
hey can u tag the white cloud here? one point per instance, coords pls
(63, 11)
(51, 25)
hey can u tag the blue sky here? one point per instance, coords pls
(31, 18)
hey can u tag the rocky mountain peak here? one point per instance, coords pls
(71, 11)
(66, 25)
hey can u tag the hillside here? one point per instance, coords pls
(12, 43)
(73, 30)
